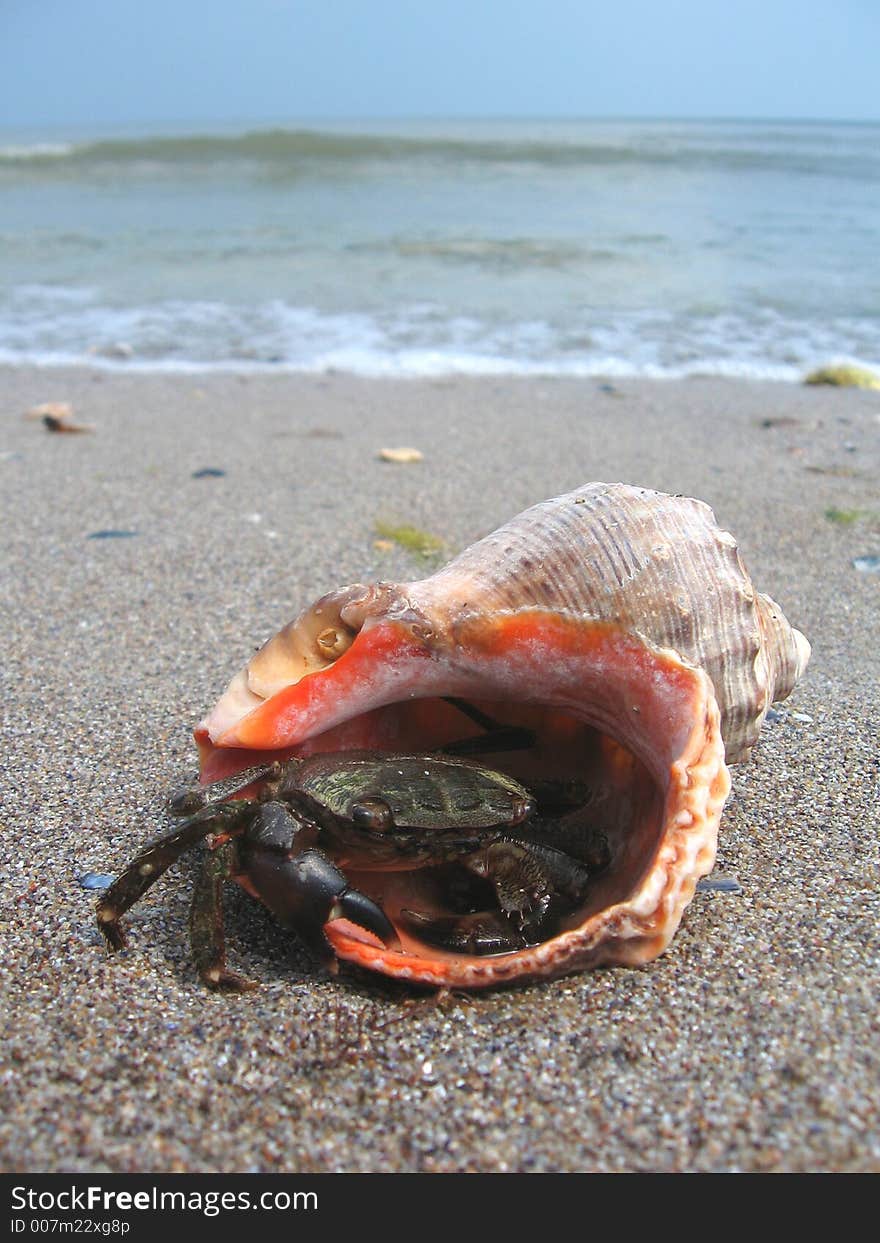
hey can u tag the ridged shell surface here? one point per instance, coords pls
(655, 564)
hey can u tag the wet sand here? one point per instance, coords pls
(751, 1044)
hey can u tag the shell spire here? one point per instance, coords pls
(787, 650)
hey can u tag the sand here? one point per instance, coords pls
(752, 1044)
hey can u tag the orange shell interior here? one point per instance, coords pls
(636, 723)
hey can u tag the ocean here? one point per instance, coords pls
(612, 248)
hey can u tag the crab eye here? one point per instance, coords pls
(372, 813)
(521, 809)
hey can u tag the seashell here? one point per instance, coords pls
(402, 455)
(616, 623)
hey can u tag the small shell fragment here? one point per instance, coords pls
(404, 454)
(95, 880)
(54, 409)
(57, 416)
(719, 884)
(54, 423)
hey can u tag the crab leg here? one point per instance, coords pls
(190, 799)
(482, 933)
(521, 884)
(146, 868)
(206, 921)
(496, 738)
(531, 882)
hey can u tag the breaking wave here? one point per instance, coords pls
(773, 146)
(49, 326)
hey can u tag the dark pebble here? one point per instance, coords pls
(208, 472)
(111, 533)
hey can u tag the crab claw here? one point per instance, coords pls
(306, 891)
(363, 911)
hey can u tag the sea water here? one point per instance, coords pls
(655, 248)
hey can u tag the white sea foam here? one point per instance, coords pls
(36, 150)
(72, 327)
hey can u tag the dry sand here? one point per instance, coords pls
(752, 1044)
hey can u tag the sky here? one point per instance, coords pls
(100, 63)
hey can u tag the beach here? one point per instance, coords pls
(145, 560)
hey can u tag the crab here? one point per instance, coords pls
(287, 830)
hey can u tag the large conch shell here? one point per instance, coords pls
(617, 623)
